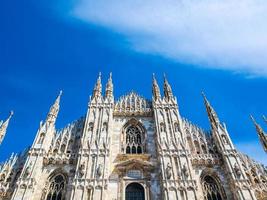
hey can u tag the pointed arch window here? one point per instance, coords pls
(105, 127)
(91, 127)
(134, 140)
(41, 138)
(57, 188)
(162, 127)
(176, 127)
(211, 189)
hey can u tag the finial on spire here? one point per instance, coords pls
(54, 109)
(59, 96)
(4, 125)
(214, 120)
(167, 88)
(155, 88)
(109, 87)
(261, 134)
(98, 87)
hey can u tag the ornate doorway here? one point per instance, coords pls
(134, 191)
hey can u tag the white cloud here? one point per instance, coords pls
(254, 150)
(223, 34)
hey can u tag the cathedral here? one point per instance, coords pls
(132, 148)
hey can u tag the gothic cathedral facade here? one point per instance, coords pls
(132, 149)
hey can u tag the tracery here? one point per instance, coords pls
(211, 189)
(57, 188)
(134, 140)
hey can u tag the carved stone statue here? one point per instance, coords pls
(27, 171)
(96, 143)
(2, 177)
(185, 170)
(81, 170)
(99, 170)
(225, 141)
(168, 171)
(237, 170)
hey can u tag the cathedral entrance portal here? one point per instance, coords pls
(134, 191)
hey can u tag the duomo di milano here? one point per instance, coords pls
(133, 149)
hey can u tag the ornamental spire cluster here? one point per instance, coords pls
(3, 127)
(168, 94)
(97, 92)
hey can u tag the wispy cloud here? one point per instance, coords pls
(223, 34)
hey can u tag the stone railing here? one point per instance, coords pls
(205, 159)
(59, 158)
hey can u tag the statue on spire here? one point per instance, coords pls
(109, 87)
(3, 127)
(98, 87)
(214, 120)
(262, 135)
(53, 112)
(167, 89)
(155, 89)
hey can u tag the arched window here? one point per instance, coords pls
(41, 138)
(135, 191)
(197, 147)
(62, 148)
(176, 127)
(162, 127)
(134, 140)
(91, 127)
(57, 188)
(211, 190)
(105, 127)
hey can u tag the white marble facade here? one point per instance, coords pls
(133, 149)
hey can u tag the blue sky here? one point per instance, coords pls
(46, 47)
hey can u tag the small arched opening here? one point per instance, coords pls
(134, 191)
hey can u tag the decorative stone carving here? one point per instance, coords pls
(168, 171)
(81, 170)
(185, 170)
(225, 141)
(99, 170)
(27, 171)
(237, 170)
(133, 104)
